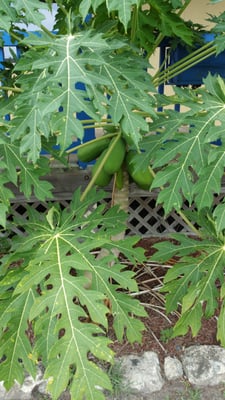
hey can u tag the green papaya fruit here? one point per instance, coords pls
(91, 150)
(142, 177)
(103, 179)
(116, 157)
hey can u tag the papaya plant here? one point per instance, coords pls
(56, 294)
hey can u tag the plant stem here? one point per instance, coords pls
(100, 125)
(134, 23)
(92, 121)
(185, 63)
(92, 181)
(189, 223)
(62, 8)
(72, 149)
(52, 35)
(19, 40)
(158, 40)
(11, 89)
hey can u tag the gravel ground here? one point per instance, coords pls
(180, 390)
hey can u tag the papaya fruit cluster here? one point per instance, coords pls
(96, 150)
(141, 176)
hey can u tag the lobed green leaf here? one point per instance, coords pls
(192, 282)
(16, 348)
(74, 293)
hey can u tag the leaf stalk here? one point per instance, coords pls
(92, 181)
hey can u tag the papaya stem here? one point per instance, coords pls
(50, 34)
(97, 172)
(74, 148)
(93, 121)
(11, 89)
(189, 223)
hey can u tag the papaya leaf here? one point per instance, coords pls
(74, 73)
(3, 211)
(30, 121)
(176, 3)
(6, 195)
(191, 319)
(29, 10)
(191, 167)
(22, 173)
(193, 280)
(219, 215)
(16, 348)
(125, 95)
(8, 13)
(180, 246)
(210, 180)
(218, 28)
(61, 68)
(74, 292)
(123, 7)
(166, 20)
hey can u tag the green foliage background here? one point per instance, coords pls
(43, 277)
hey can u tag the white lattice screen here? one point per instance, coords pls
(145, 217)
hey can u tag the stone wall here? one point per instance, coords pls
(202, 367)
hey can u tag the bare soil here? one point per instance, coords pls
(158, 320)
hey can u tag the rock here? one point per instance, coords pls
(41, 387)
(21, 392)
(40, 391)
(172, 368)
(204, 365)
(142, 373)
(2, 390)
(141, 377)
(18, 392)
